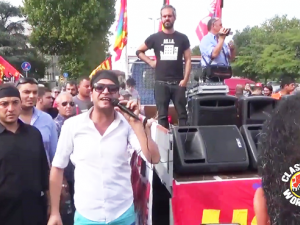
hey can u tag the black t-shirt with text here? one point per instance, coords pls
(169, 50)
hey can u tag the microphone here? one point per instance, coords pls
(115, 102)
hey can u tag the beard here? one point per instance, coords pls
(168, 25)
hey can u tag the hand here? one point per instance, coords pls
(222, 33)
(231, 46)
(152, 63)
(182, 83)
(54, 219)
(132, 105)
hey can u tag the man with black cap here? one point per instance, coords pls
(24, 170)
(97, 143)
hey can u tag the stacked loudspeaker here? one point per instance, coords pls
(223, 134)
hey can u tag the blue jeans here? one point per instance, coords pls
(128, 218)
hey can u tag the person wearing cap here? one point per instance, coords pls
(28, 88)
(97, 144)
(24, 170)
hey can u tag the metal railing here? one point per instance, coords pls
(144, 76)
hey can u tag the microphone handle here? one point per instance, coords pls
(126, 110)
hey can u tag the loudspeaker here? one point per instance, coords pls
(205, 149)
(209, 110)
(251, 134)
(255, 109)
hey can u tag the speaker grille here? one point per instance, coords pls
(223, 144)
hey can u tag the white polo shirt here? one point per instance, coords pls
(103, 190)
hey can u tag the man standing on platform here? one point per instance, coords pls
(170, 47)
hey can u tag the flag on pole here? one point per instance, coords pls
(105, 65)
(215, 10)
(161, 26)
(122, 30)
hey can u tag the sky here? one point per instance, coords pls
(236, 14)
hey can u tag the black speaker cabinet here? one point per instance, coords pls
(251, 134)
(209, 110)
(255, 109)
(206, 149)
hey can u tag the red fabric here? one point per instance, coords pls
(8, 70)
(189, 200)
(215, 10)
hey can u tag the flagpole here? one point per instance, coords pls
(126, 48)
(126, 62)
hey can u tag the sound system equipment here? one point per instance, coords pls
(207, 149)
(209, 110)
(255, 109)
(251, 134)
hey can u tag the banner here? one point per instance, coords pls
(7, 72)
(226, 201)
(214, 10)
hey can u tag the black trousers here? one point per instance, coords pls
(163, 93)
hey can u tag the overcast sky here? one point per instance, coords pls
(237, 14)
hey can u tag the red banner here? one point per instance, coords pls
(214, 10)
(215, 202)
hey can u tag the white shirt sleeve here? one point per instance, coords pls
(64, 146)
(134, 144)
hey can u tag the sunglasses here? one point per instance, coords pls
(112, 88)
(72, 104)
(26, 80)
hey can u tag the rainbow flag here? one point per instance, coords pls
(122, 30)
(161, 26)
(105, 65)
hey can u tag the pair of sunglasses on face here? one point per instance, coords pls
(26, 80)
(72, 104)
(111, 88)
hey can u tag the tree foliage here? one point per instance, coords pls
(270, 50)
(196, 51)
(14, 44)
(77, 31)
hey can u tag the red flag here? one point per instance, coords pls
(8, 71)
(161, 26)
(215, 10)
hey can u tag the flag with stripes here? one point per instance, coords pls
(161, 26)
(122, 32)
(105, 65)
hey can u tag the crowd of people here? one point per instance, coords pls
(78, 135)
(287, 87)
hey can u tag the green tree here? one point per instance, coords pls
(77, 31)
(14, 45)
(196, 51)
(268, 51)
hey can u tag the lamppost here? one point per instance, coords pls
(153, 19)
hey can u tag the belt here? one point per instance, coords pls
(168, 82)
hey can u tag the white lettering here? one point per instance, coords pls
(288, 175)
(288, 194)
(297, 167)
(298, 202)
(169, 41)
(293, 200)
(292, 170)
(285, 179)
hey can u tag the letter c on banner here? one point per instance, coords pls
(285, 179)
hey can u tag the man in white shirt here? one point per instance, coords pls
(96, 142)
